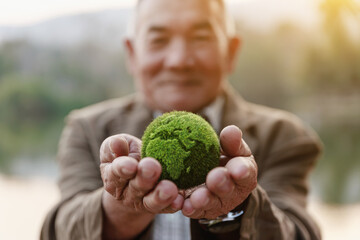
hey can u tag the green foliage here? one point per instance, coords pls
(289, 67)
(336, 176)
(333, 59)
(186, 146)
(27, 110)
(39, 86)
(341, 161)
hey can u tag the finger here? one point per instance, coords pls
(113, 147)
(134, 146)
(243, 170)
(149, 171)
(124, 168)
(201, 198)
(116, 175)
(162, 197)
(126, 145)
(202, 204)
(188, 209)
(175, 206)
(119, 146)
(219, 182)
(232, 143)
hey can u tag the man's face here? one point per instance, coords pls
(180, 54)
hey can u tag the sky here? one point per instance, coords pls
(28, 12)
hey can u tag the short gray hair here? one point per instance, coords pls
(230, 26)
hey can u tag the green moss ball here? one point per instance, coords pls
(186, 146)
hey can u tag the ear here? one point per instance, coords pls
(233, 49)
(130, 55)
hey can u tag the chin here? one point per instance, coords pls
(183, 105)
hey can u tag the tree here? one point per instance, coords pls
(333, 62)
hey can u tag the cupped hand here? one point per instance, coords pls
(132, 184)
(226, 186)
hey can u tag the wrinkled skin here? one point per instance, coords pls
(132, 189)
(183, 66)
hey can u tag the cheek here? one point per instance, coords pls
(149, 64)
(147, 68)
(212, 60)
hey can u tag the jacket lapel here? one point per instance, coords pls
(237, 112)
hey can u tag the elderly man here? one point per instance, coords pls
(180, 55)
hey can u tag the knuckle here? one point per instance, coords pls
(151, 206)
(133, 204)
(137, 189)
(201, 214)
(254, 184)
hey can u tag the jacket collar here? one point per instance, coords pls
(235, 110)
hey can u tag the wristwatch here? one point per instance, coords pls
(225, 223)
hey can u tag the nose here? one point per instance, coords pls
(179, 55)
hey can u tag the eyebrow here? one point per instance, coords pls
(202, 26)
(157, 29)
(205, 25)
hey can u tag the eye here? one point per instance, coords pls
(158, 41)
(202, 36)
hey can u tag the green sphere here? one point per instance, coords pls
(186, 146)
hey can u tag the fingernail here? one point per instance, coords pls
(127, 171)
(244, 171)
(222, 182)
(111, 149)
(187, 209)
(163, 195)
(177, 203)
(190, 213)
(147, 173)
(223, 185)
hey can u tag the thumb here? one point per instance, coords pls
(113, 147)
(126, 145)
(120, 145)
(232, 143)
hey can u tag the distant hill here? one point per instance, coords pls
(105, 27)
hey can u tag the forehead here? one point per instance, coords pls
(180, 12)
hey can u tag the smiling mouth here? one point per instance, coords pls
(181, 82)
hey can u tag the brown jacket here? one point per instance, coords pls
(284, 149)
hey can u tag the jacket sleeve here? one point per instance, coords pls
(277, 206)
(78, 215)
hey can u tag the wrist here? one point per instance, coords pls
(122, 222)
(111, 205)
(225, 223)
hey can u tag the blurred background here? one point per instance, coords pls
(55, 56)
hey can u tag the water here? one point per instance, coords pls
(40, 167)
